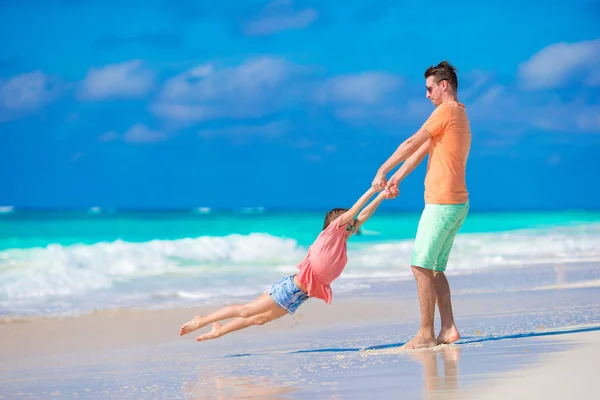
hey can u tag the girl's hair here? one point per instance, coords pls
(332, 215)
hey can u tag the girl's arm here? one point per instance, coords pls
(348, 216)
(366, 213)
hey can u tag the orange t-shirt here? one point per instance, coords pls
(445, 182)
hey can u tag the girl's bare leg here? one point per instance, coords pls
(261, 304)
(219, 330)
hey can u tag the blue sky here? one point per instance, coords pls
(290, 104)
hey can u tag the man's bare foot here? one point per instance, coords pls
(448, 336)
(191, 326)
(420, 342)
(214, 333)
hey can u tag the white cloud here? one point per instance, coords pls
(138, 133)
(279, 16)
(184, 112)
(363, 88)
(275, 128)
(261, 86)
(250, 78)
(386, 117)
(589, 119)
(514, 110)
(108, 137)
(561, 64)
(130, 79)
(350, 114)
(419, 107)
(365, 98)
(492, 107)
(475, 81)
(26, 93)
(250, 89)
(492, 94)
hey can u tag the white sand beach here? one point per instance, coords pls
(569, 373)
(521, 343)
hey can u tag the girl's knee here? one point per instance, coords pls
(244, 311)
(261, 320)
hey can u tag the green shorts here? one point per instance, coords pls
(437, 229)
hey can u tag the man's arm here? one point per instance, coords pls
(348, 216)
(411, 163)
(405, 150)
(366, 213)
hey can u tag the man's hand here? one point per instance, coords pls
(392, 188)
(379, 182)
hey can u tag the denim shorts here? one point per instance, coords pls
(287, 295)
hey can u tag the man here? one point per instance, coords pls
(446, 137)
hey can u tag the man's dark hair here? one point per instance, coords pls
(443, 71)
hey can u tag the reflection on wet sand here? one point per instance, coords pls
(561, 274)
(227, 386)
(233, 387)
(436, 386)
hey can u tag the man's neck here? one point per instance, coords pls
(450, 98)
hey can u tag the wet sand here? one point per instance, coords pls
(516, 341)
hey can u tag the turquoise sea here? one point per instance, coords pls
(70, 262)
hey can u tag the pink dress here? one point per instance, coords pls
(324, 262)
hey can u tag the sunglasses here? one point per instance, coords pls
(350, 228)
(430, 88)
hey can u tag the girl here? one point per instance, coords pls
(324, 262)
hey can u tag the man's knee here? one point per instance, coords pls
(422, 272)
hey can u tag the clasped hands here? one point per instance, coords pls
(391, 187)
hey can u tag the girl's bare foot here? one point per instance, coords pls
(191, 326)
(213, 334)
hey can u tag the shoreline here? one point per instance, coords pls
(396, 302)
(128, 328)
(542, 275)
(349, 349)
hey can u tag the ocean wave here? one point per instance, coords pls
(368, 232)
(185, 271)
(6, 209)
(252, 210)
(70, 270)
(475, 252)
